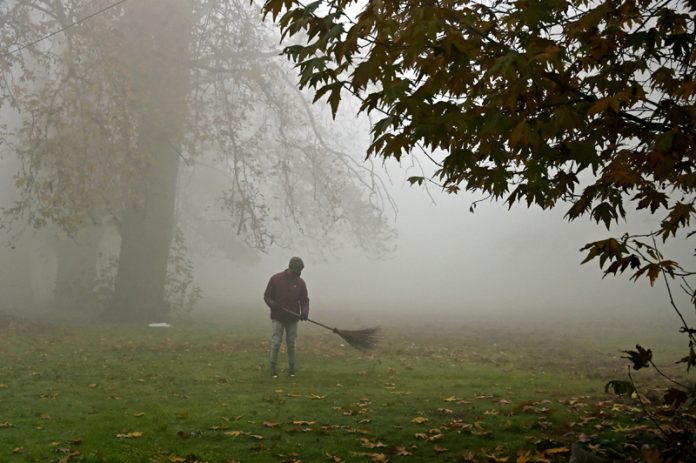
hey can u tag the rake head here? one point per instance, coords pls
(360, 339)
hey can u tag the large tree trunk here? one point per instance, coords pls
(158, 58)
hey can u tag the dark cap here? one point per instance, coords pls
(296, 263)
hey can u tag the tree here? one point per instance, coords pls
(591, 104)
(117, 105)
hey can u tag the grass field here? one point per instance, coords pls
(202, 392)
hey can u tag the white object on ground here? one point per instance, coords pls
(159, 325)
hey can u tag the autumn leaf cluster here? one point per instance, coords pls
(540, 102)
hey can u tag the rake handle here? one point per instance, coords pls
(335, 330)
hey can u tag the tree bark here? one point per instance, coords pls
(158, 58)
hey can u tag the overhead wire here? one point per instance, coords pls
(79, 21)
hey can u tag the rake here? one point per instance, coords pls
(362, 340)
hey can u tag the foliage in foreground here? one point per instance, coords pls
(202, 393)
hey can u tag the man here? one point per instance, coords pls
(286, 295)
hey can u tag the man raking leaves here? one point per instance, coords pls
(286, 296)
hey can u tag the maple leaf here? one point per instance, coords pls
(690, 359)
(640, 357)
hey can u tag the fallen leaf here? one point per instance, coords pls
(234, 433)
(271, 424)
(139, 414)
(93, 385)
(440, 449)
(302, 423)
(419, 420)
(557, 450)
(18, 450)
(451, 399)
(130, 435)
(369, 444)
(401, 451)
(6, 424)
(316, 397)
(333, 458)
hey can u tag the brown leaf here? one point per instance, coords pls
(302, 423)
(440, 449)
(419, 420)
(369, 444)
(271, 424)
(401, 451)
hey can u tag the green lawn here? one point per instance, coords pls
(202, 392)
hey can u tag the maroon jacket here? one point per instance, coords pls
(289, 292)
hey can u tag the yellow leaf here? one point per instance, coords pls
(451, 399)
(130, 435)
(316, 397)
(419, 420)
(234, 433)
(139, 414)
(302, 423)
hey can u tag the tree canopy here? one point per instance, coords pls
(587, 103)
(114, 105)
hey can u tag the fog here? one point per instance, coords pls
(451, 264)
(444, 264)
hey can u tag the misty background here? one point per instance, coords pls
(442, 263)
